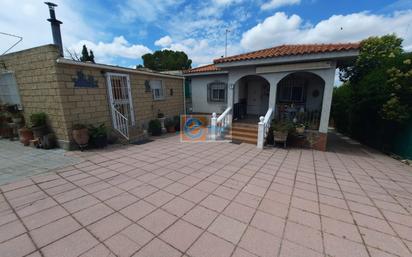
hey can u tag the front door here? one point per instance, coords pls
(120, 98)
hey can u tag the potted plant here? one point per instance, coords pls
(80, 135)
(176, 120)
(17, 118)
(300, 128)
(155, 128)
(38, 124)
(25, 136)
(170, 125)
(162, 119)
(98, 135)
(281, 131)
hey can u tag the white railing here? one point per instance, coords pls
(263, 128)
(220, 124)
(121, 123)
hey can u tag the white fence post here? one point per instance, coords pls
(261, 133)
(213, 124)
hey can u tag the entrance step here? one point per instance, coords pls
(244, 132)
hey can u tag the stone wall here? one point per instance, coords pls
(91, 105)
(48, 86)
(37, 81)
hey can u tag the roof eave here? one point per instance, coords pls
(336, 55)
(191, 74)
(62, 60)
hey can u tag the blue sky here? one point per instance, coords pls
(119, 32)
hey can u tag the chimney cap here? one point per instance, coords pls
(51, 5)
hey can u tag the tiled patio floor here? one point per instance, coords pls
(210, 200)
(18, 161)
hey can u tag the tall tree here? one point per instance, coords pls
(86, 56)
(167, 60)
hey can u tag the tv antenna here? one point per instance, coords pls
(11, 35)
(227, 31)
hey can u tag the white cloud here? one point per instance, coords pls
(274, 4)
(119, 47)
(283, 29)
(164, 41)
(28, 19)
(145, 10)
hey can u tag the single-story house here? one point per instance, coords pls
(293, 82)
(72, 92)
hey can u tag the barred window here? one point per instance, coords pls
(9, 92)
(157, 89)
(216, 91)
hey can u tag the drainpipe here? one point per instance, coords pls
(55, 27)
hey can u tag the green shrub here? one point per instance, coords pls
(98, 131)
(38, 119)
(155, 128)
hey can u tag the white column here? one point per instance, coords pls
(272, 94)
(230, 94)
(213, 123)
(261, 133)
(327, 100)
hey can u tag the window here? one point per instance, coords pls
(216, 91)
(157, 89)
(292, 90)
(8, 89)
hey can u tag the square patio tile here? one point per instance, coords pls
(200, 216)
(176, 188)
(341, 229)
(92, 214)
(129, 240)
(159, 198)
(268, 223)
(137, 210)
(194, 195)
(384, 242)
(290, 249)
(181, 235)
(11, 230)
(80, 203)
(339, 247)
(44, 217)
(209, 245)
(157, 221)
(304, 236)
(227, 228)
(215, 203)
(71, 246)
(304, 218)
(121, 201)
(53, 231)
(108, 226)
(240, 212)
(178, 206)
(260, 243)
(157, 248)
(17, 247)
(99, 250)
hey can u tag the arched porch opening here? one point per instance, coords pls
(299, 99)
(251, 98)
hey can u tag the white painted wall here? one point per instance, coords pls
(199, 94)
(314, 103)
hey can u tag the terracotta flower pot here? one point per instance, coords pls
(171, 129)
(25, 136)
(81, 136)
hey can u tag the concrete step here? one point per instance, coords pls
(244, 125)
(244, 139)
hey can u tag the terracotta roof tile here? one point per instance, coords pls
(286, 50)
(206, 68)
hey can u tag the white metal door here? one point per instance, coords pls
(120, 98)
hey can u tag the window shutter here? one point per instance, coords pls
(209, 92)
